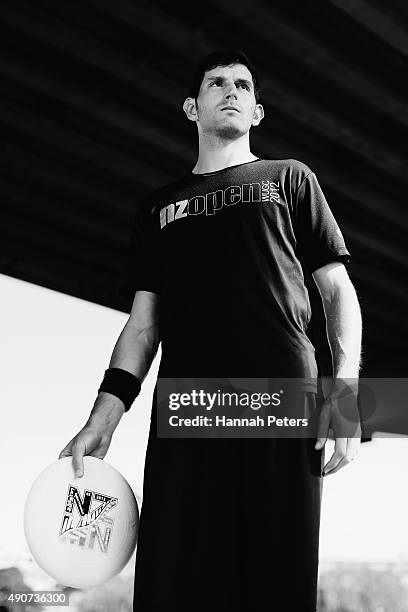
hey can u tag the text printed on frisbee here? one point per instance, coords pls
(83, 525)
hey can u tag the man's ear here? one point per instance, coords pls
(190, 108)
(259, 114)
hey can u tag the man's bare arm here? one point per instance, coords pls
(344, 331)
(343, 319)
(134, 351)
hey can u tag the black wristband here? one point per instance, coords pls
(121, 383)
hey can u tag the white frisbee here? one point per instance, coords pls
(81, 531)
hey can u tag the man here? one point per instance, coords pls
(230, 524)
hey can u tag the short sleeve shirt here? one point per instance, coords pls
(226, 251)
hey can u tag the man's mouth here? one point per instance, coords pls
(234, 108)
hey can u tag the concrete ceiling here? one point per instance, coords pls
(90, 119)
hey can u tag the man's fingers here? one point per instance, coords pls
(86, 442)
(323, 429)
(346, 450)
(320, 442)
(66, 452)
(78, 451)
(340, 451)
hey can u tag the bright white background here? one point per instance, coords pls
(54, 350)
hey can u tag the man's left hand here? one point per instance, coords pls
(340, 413)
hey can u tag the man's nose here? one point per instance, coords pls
(231, 91)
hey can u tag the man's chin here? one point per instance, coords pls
(229, 132)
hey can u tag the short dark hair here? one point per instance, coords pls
(224, 57)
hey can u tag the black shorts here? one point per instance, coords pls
(229, 524)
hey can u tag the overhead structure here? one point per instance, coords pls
(90, 119)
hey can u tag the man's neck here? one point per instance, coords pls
(215, 154)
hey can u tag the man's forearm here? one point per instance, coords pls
(135, 349)
(344, 331)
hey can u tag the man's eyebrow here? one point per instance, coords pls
(241, 80)
(219, 77)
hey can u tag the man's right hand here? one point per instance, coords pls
(95, 437)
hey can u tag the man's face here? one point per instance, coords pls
(226, 104)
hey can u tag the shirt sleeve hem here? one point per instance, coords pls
(340, 256)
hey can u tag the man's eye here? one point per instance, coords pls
(244, 85)
(215, 83)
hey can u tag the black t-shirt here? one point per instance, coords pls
(226, 250)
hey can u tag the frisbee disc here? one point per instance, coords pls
(81, 531)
